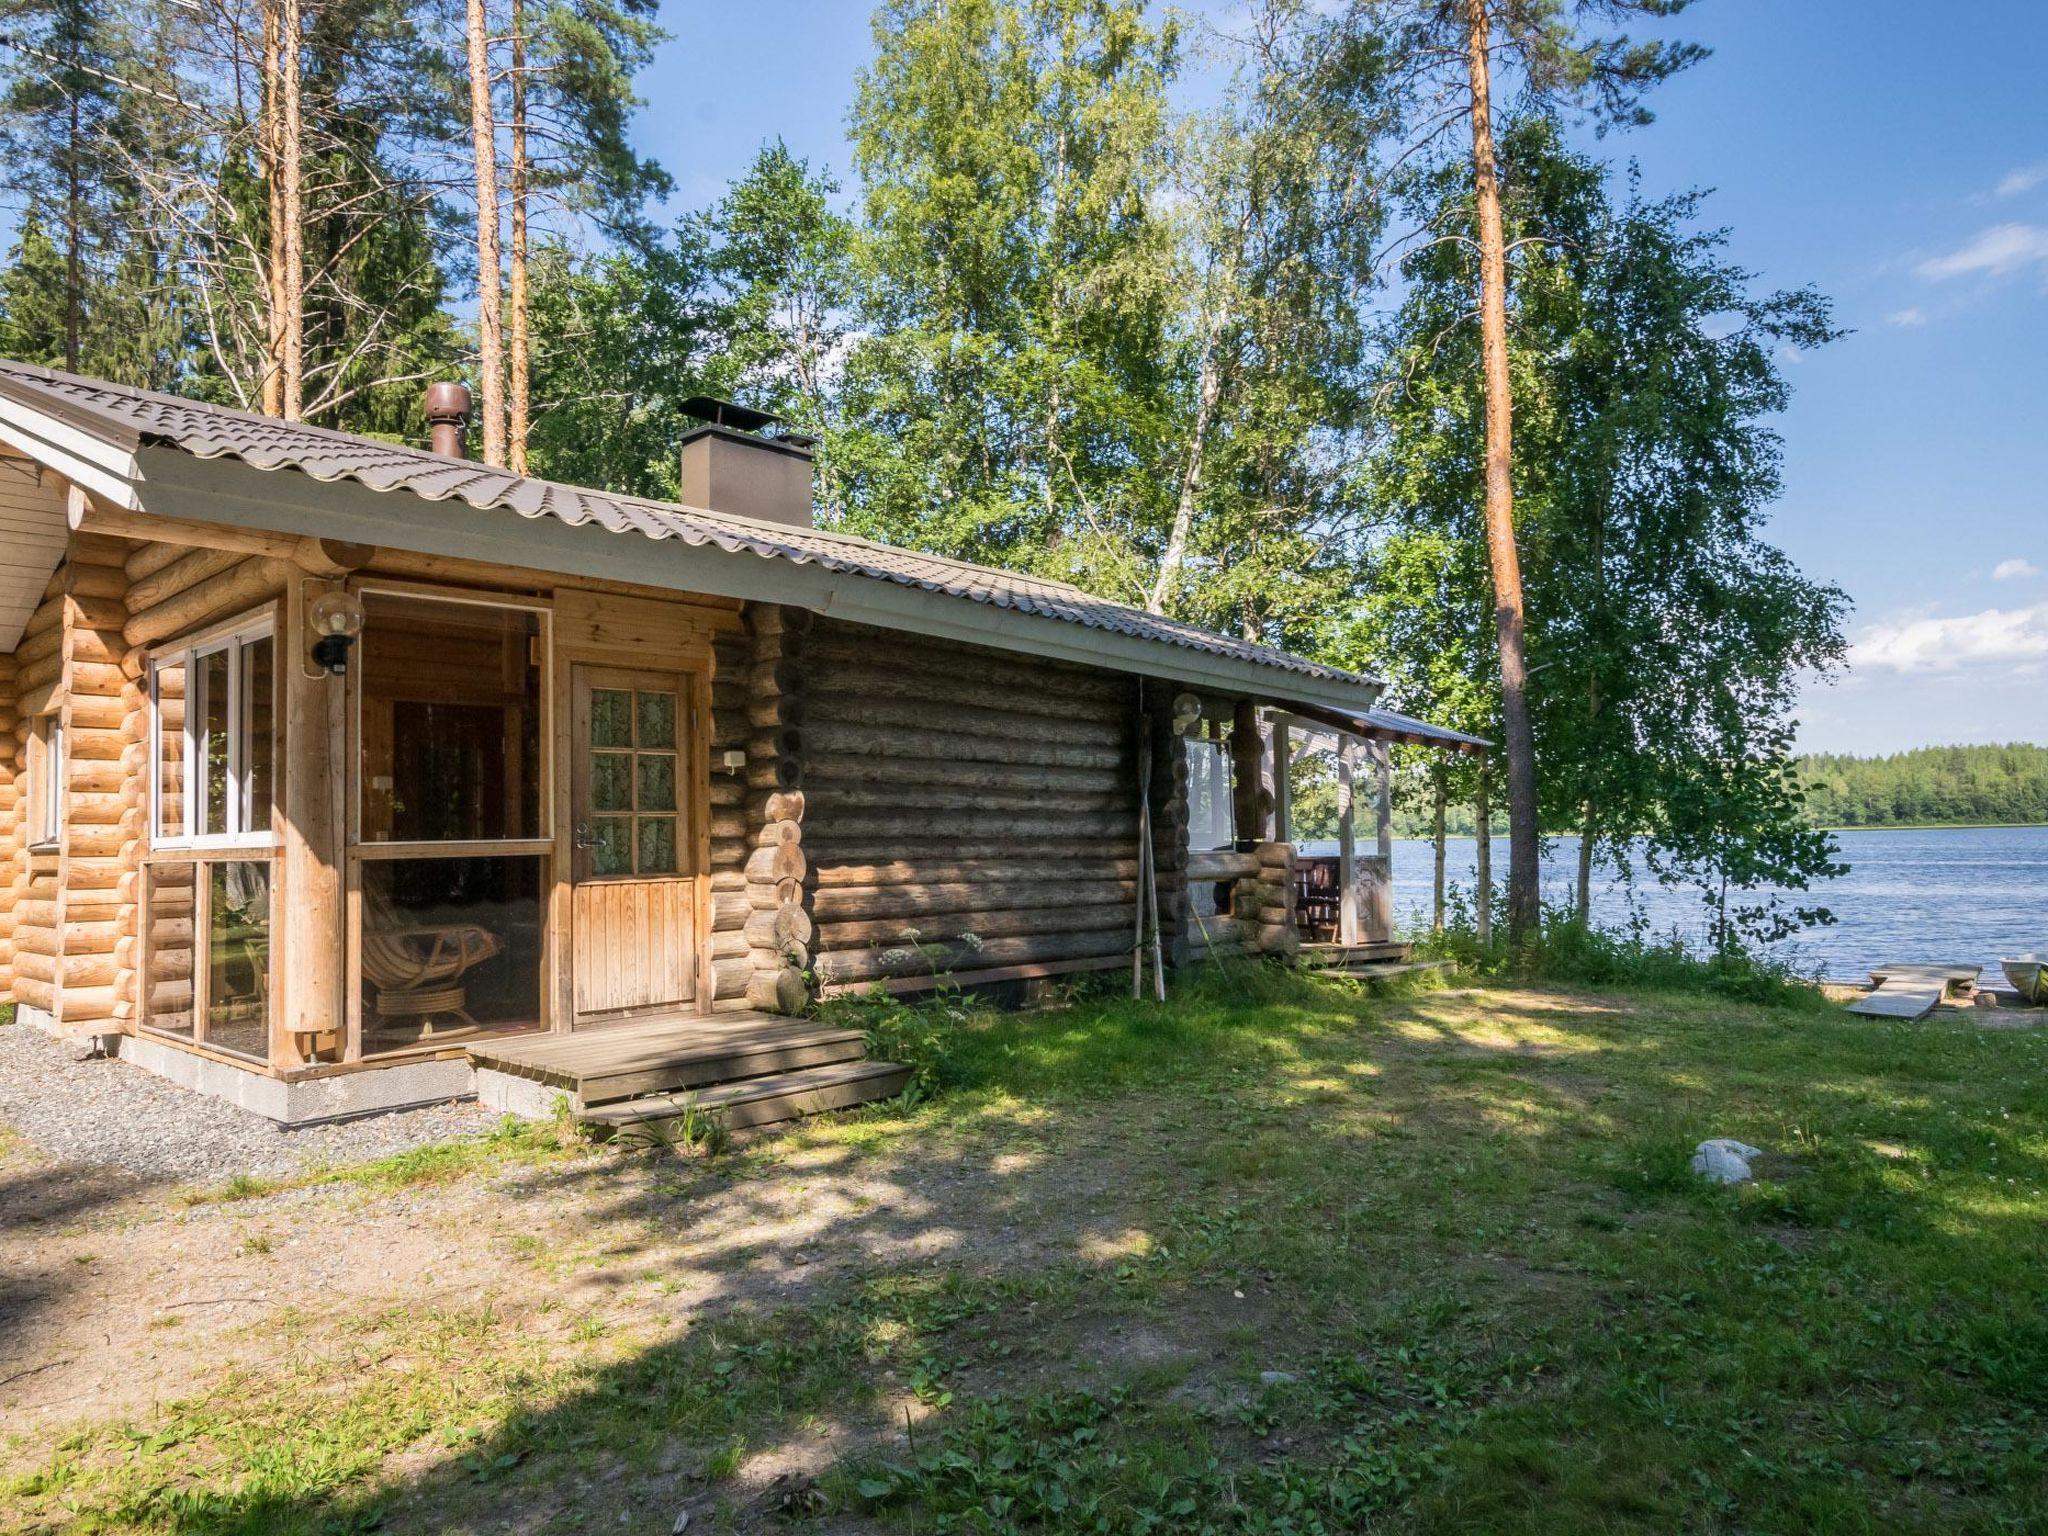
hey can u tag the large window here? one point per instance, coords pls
(1210, 790)
(213, 743)
(206, 903)
(451, 858)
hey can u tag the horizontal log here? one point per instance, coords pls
(850, 769)
(34, 991)
(151, 556)
(829, 802)
(783, 861)
(777, 928)
(775, 773)
(243, 586)
(847, 706)
(728, 944)
(967, 826)
(902, 960)
(776, 741)
(105, 581)
(766, 711)
(107, 614)
(777, 805)
(766, 619)
(886, 653)
(909, 901)
(1221, 864)
(825, 739)
(774, 676)
(87, 1004)
(729, 978)
(783, 990)
(88, 971)
(1097, 865)
(763, 895)
(39, 647)
(181, 575)
(729, 908)
(949, 927)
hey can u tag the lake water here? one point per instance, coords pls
(1958, 894)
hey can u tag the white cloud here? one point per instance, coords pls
(1926, 644)
(1996, 252)
(2025, 179)
(2014, 569)
(1906, 317)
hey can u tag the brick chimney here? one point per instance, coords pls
(448, 418)
(728, 466)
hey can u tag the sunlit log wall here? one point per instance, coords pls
(967, 811)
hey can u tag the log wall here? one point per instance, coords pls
(11, 743)
(966, 811)
(35, 940)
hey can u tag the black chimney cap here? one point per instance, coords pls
(724, 413)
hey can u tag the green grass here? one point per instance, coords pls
(1427, 1264)
(510, 1142)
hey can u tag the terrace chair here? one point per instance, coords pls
(417, 968)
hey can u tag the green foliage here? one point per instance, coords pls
(1572, 952)
(632, 338)
(1667, 635)
(1932, 786)
(1000, 405)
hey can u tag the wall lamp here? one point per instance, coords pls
(337, 618)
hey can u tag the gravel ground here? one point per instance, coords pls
(111, 1113)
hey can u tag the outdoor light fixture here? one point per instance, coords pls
(337, 618)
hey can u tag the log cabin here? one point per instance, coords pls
(338, 775)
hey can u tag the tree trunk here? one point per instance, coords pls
(1582, 895)
(1207, 391)
(269, 139)
(1436, 919)
(291, 209)
(1482, 833)
(521, 363)
(483, 134)
(1524, 900)
(74, 243)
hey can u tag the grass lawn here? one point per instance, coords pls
(1279, 1257)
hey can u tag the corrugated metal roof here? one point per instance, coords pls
(211, 431)
(1390, 725)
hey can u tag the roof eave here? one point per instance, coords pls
(176, 484)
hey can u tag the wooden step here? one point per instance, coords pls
(765, 1100)
(627, 1061)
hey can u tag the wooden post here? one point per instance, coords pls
(1347, 842)
(1280, 757)
(1248, 757)
(311, 822)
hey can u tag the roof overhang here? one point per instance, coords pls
(174, 484)
(1388, 725)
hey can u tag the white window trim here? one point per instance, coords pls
(189, 655)
(46, 787)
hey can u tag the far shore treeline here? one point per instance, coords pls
(1975, 786)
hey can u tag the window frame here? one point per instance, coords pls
(45, 829)
(231, 638)
(427, 848)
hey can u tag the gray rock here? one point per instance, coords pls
(1725, 1161)
(1277, 1378)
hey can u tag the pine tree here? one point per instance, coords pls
(34, 296)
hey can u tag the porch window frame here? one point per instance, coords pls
(201, 862)
(188, 651)
(357, 853)
(427, 848)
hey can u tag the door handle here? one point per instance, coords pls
(582, 836)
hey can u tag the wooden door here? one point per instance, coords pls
(633, 918)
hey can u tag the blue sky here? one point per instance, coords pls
(1892, 152)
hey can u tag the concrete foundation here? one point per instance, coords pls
(406, 1085)
(506, 1093)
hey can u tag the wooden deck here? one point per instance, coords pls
(754, 1067)
(1912, 991)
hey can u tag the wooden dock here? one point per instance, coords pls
(1908, 990)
